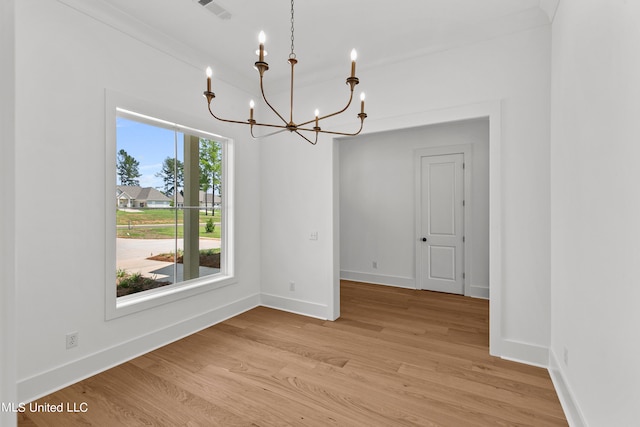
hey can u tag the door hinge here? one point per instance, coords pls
(464, 239)
(463, 165)
(464, 203)
(464, 276)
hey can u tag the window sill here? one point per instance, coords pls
(141, 301)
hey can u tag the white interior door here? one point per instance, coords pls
(442, 223)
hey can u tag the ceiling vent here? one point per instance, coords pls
(216, 9)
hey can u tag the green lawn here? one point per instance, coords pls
(136, 224)
(157, 216)
(161, 232)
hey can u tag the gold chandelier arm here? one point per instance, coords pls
(225, 120)
(295, 129)
(248, 123)
(270, 106)
(332, 114)
(308, 140)
(269, 125)
(267, 135)
(361, 116)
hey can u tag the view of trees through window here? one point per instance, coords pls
(168, 200)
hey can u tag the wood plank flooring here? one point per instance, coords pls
(396, 357)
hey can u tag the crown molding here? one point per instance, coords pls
(550, 7)
(115, 18)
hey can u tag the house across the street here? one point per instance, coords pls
(204, 200)
(132, 196)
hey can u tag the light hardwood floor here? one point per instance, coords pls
(395, 357)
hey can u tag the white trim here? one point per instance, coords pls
(379, 279)
(304, 308)
(115, 18)
(134, 303)
(8, 356)
(334, 299)
(109, 15)
(521, 352)
(569, 404)
(122, 105)
(494, 111)
(153, 121)
(477, 291)
(155, 114)
(403, 282)
(467, 152)
(550, 7)
(62, 376)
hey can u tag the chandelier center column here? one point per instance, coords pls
(291, 126)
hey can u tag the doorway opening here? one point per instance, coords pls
(375, 226)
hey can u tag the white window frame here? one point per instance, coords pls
(121, 105)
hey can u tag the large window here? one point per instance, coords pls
(172, 222)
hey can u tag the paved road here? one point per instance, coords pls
(127, 249)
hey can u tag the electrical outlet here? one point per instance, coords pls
(292, 286)
(375, 264)
(72, 340)
(566, 356)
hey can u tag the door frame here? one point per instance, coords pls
(8, 287)
(499, 345)
(467, 212)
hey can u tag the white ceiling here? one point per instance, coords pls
(325, 30)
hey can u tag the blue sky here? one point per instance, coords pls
(149, 145)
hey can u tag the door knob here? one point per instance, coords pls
(424, 239)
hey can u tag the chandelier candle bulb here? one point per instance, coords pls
(251, 105)
(354, 56)
(262, 38)
(209, 74)
(362, 103)
(317, 113)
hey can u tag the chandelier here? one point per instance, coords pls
(289, 124)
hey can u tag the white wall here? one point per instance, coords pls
(7, 213)
(65, 61)
(377, 202)
(296, 200)
(513, 70)
(595, 246)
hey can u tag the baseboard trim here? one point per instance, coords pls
(379, 279)
(304, 308)
(477, 292)
(569, 404)
(528, 354)
(47, 382)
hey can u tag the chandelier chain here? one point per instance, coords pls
(292, 55)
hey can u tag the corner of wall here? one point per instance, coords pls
(569, 404)
(296, 306)
(549, 7)
(526, 353)
(477, 292)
